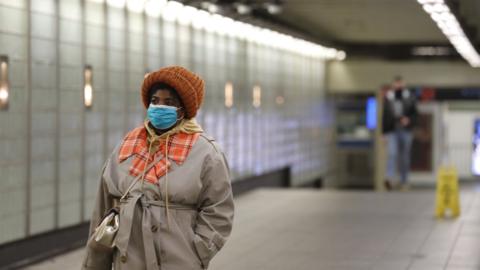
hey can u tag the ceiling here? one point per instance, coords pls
(378, 28)
(363, 21)
(385, 28)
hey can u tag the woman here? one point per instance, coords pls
(179, 213)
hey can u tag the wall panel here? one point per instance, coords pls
(53, 150)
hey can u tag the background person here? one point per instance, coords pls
(399, 118)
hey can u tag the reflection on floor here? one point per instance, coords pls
(305, 229)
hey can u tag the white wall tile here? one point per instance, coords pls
(71, 78)
(43, 77)
(15, 200)
(42, 172)
(70, 31)
(153, 46)
(70, 147)
(135, 62)
(94, 13)
(43, 148)
(43, 26)
(117, 82)
(96, 58)
(135, 22)
(70, 182)
(14, 46)
(12, 227)
(43, 123)
(70, 123)
(136, 80)
(169, 30)
(21, 4)
(42, 220)
(116, 39)
(94, 124)
(153, 26)
(70, 9)
(17, 76)
(42, 198)
(95, 36)
(136, 42)
(43, 52)
(44, 6)
(116, 60)
(116, 18)
(71, 101)
(13, 20)
(44, 100)
(70, 55)
(69, 213)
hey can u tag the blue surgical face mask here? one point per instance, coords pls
(162, 116)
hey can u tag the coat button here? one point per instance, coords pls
(154, 228)
(123, 258)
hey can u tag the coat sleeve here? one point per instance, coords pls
(97, 259)
(215, 216)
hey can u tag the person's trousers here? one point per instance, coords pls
(399, 144)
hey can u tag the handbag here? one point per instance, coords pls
(103, 237)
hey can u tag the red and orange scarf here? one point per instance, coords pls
(135, 143)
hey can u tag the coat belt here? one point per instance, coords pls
(127, 209)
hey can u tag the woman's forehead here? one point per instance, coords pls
(164, 93)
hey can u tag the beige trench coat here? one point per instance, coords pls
(200, 214)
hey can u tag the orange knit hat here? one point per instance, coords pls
(189, 86)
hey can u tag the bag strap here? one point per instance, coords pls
(140, 175)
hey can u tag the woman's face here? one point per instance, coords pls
(167, 97)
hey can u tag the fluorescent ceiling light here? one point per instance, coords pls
(136, 5)
(210, 7)
(154, 8)
(116, 3)
(200, 19)
(186, 15)
(449, 25)
(174, 11)
(273, 8)
(243, 9)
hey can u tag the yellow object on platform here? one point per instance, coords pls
(447, 192)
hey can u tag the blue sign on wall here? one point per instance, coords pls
(476, 148)
(371, 113)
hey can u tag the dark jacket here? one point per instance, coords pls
(408, 103)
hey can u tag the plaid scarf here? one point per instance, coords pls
(135, 143)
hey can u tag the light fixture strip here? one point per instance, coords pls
(228, 95)
(449, 25)
(88, 88)
(215, 23)
(257, 96)
(4, 84)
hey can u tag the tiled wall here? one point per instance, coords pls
(52, 148)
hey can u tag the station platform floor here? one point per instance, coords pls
(307, 229)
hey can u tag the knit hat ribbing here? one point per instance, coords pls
(189, 86)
